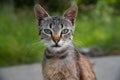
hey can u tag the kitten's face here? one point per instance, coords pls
(56, 32)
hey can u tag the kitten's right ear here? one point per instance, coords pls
(40, 13)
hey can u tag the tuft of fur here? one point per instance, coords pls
(61, 59)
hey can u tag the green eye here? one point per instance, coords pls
(64, 31)
(47, 31)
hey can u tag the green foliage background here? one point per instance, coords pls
(19, 42)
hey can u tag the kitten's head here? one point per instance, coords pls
(56, 32)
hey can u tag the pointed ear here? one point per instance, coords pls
(71, 13)
(40, 13)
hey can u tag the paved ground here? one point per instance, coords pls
(106, 68)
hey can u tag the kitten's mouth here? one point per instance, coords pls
(56, 45)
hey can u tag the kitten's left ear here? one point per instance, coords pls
(71, 13)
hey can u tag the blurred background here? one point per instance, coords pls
(97, 29)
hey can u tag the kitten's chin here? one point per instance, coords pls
(56, 46)
(59, 48)
(55, 49)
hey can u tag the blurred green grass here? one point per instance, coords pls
(98, 32)
(19, 38)
(20, 44)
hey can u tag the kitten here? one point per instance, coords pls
(61, 59)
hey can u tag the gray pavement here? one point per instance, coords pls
(106, 68)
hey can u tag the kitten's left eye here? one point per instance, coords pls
(48, 31)
(64, 31)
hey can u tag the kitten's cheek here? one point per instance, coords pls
(60, 43)
(52, 43)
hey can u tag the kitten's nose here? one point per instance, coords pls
(56, 38)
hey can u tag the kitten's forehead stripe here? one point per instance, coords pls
(56, 21)
(51, 25)
(61, 25)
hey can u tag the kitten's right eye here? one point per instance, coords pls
(47, 31)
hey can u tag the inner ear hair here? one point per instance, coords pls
(40, 13)
(71, 13)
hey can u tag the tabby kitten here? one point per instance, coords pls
(61, 59)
